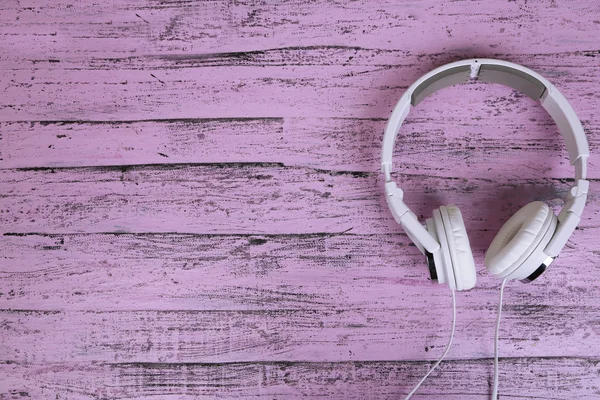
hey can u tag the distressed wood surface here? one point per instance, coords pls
(90, 29)
(233, 91)
(336, 144)
(557, 379)
(251, 199)
(312, 294)
(191, 204)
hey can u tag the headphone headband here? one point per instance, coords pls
(517, 77)
(495, 71)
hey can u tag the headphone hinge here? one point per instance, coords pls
(575, 199)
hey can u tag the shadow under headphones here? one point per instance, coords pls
(530, 240)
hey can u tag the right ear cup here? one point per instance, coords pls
(454, 262)
(517, 250)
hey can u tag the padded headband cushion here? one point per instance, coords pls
(517, 238)
(460, 248)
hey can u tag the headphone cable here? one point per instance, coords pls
(495, 390)
(445, 351)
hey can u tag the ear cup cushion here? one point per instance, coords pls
(443, 260)
(460, 249)
(518, 238)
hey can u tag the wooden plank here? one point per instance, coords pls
(545, 378)
(82, 272)
(229, 92)
(248, 198)
(418, 329)
(256, 298)
(509, 143)
(319, 55)
(61, 30)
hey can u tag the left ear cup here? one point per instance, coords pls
(442, 258)
(518, 248)
(463, 263)
(454, 262)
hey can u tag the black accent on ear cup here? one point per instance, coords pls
(431, 265)
(541, 269)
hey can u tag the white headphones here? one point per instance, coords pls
(529, 241)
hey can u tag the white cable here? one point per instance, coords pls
(495, 390)
(445, 351)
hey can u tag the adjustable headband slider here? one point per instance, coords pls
(386, 168)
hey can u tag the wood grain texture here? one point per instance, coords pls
(232, 91)
(535, 327)
(557, 379)
(251, 199)
(530, 143)
(247, 272)
(191, 204)
(93, 30)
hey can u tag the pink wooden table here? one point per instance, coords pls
(191, 204)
